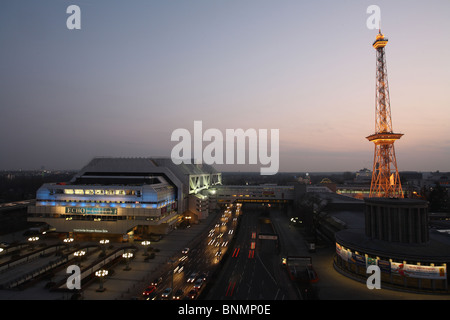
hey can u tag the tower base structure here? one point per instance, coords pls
(396, 238)
(385, 177)
(397, 220)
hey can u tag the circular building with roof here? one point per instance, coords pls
(396, 238)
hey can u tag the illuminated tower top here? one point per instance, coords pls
(380, 41)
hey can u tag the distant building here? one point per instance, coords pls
(358, 191)
(363, 176)
(223, 194)
(441, 178)
(359, 188)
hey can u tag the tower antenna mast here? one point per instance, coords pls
(385, 177)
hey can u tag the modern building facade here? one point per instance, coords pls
(123, 197)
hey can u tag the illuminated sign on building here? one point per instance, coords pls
(91, 230)
(418, 271)
(395, 268)
(78, 210)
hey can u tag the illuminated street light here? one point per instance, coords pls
(103, 243)
(127, 256)
(68, 240)
(146, 243)
(79, 254)
(101, 274)
(32, 240)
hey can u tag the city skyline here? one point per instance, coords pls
(134, 73)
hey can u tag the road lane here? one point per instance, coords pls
(252, 269)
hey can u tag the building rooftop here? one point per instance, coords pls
(145, 166)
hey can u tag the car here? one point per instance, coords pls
(166, 293)
(151, 296)
(185, 251)
(179, 268)
(183, 258)
(178, 294)
(157, 281)
(192, 294)
(149, 290)
(203, 276)
(192, 277)
(198, 284)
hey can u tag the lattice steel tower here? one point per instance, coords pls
(385, 178)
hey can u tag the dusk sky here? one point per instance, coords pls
(138, 70)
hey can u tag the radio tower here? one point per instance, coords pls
(385, 178)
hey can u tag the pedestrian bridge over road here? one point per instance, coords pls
(261, 193)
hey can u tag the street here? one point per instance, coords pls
(253, 271)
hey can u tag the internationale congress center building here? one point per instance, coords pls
(125, 197)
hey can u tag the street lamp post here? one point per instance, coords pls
(127, 256)
(103, 243)
(146, 243)
(32, 241)
(68, 242)
(79, 254)
(101, 274)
